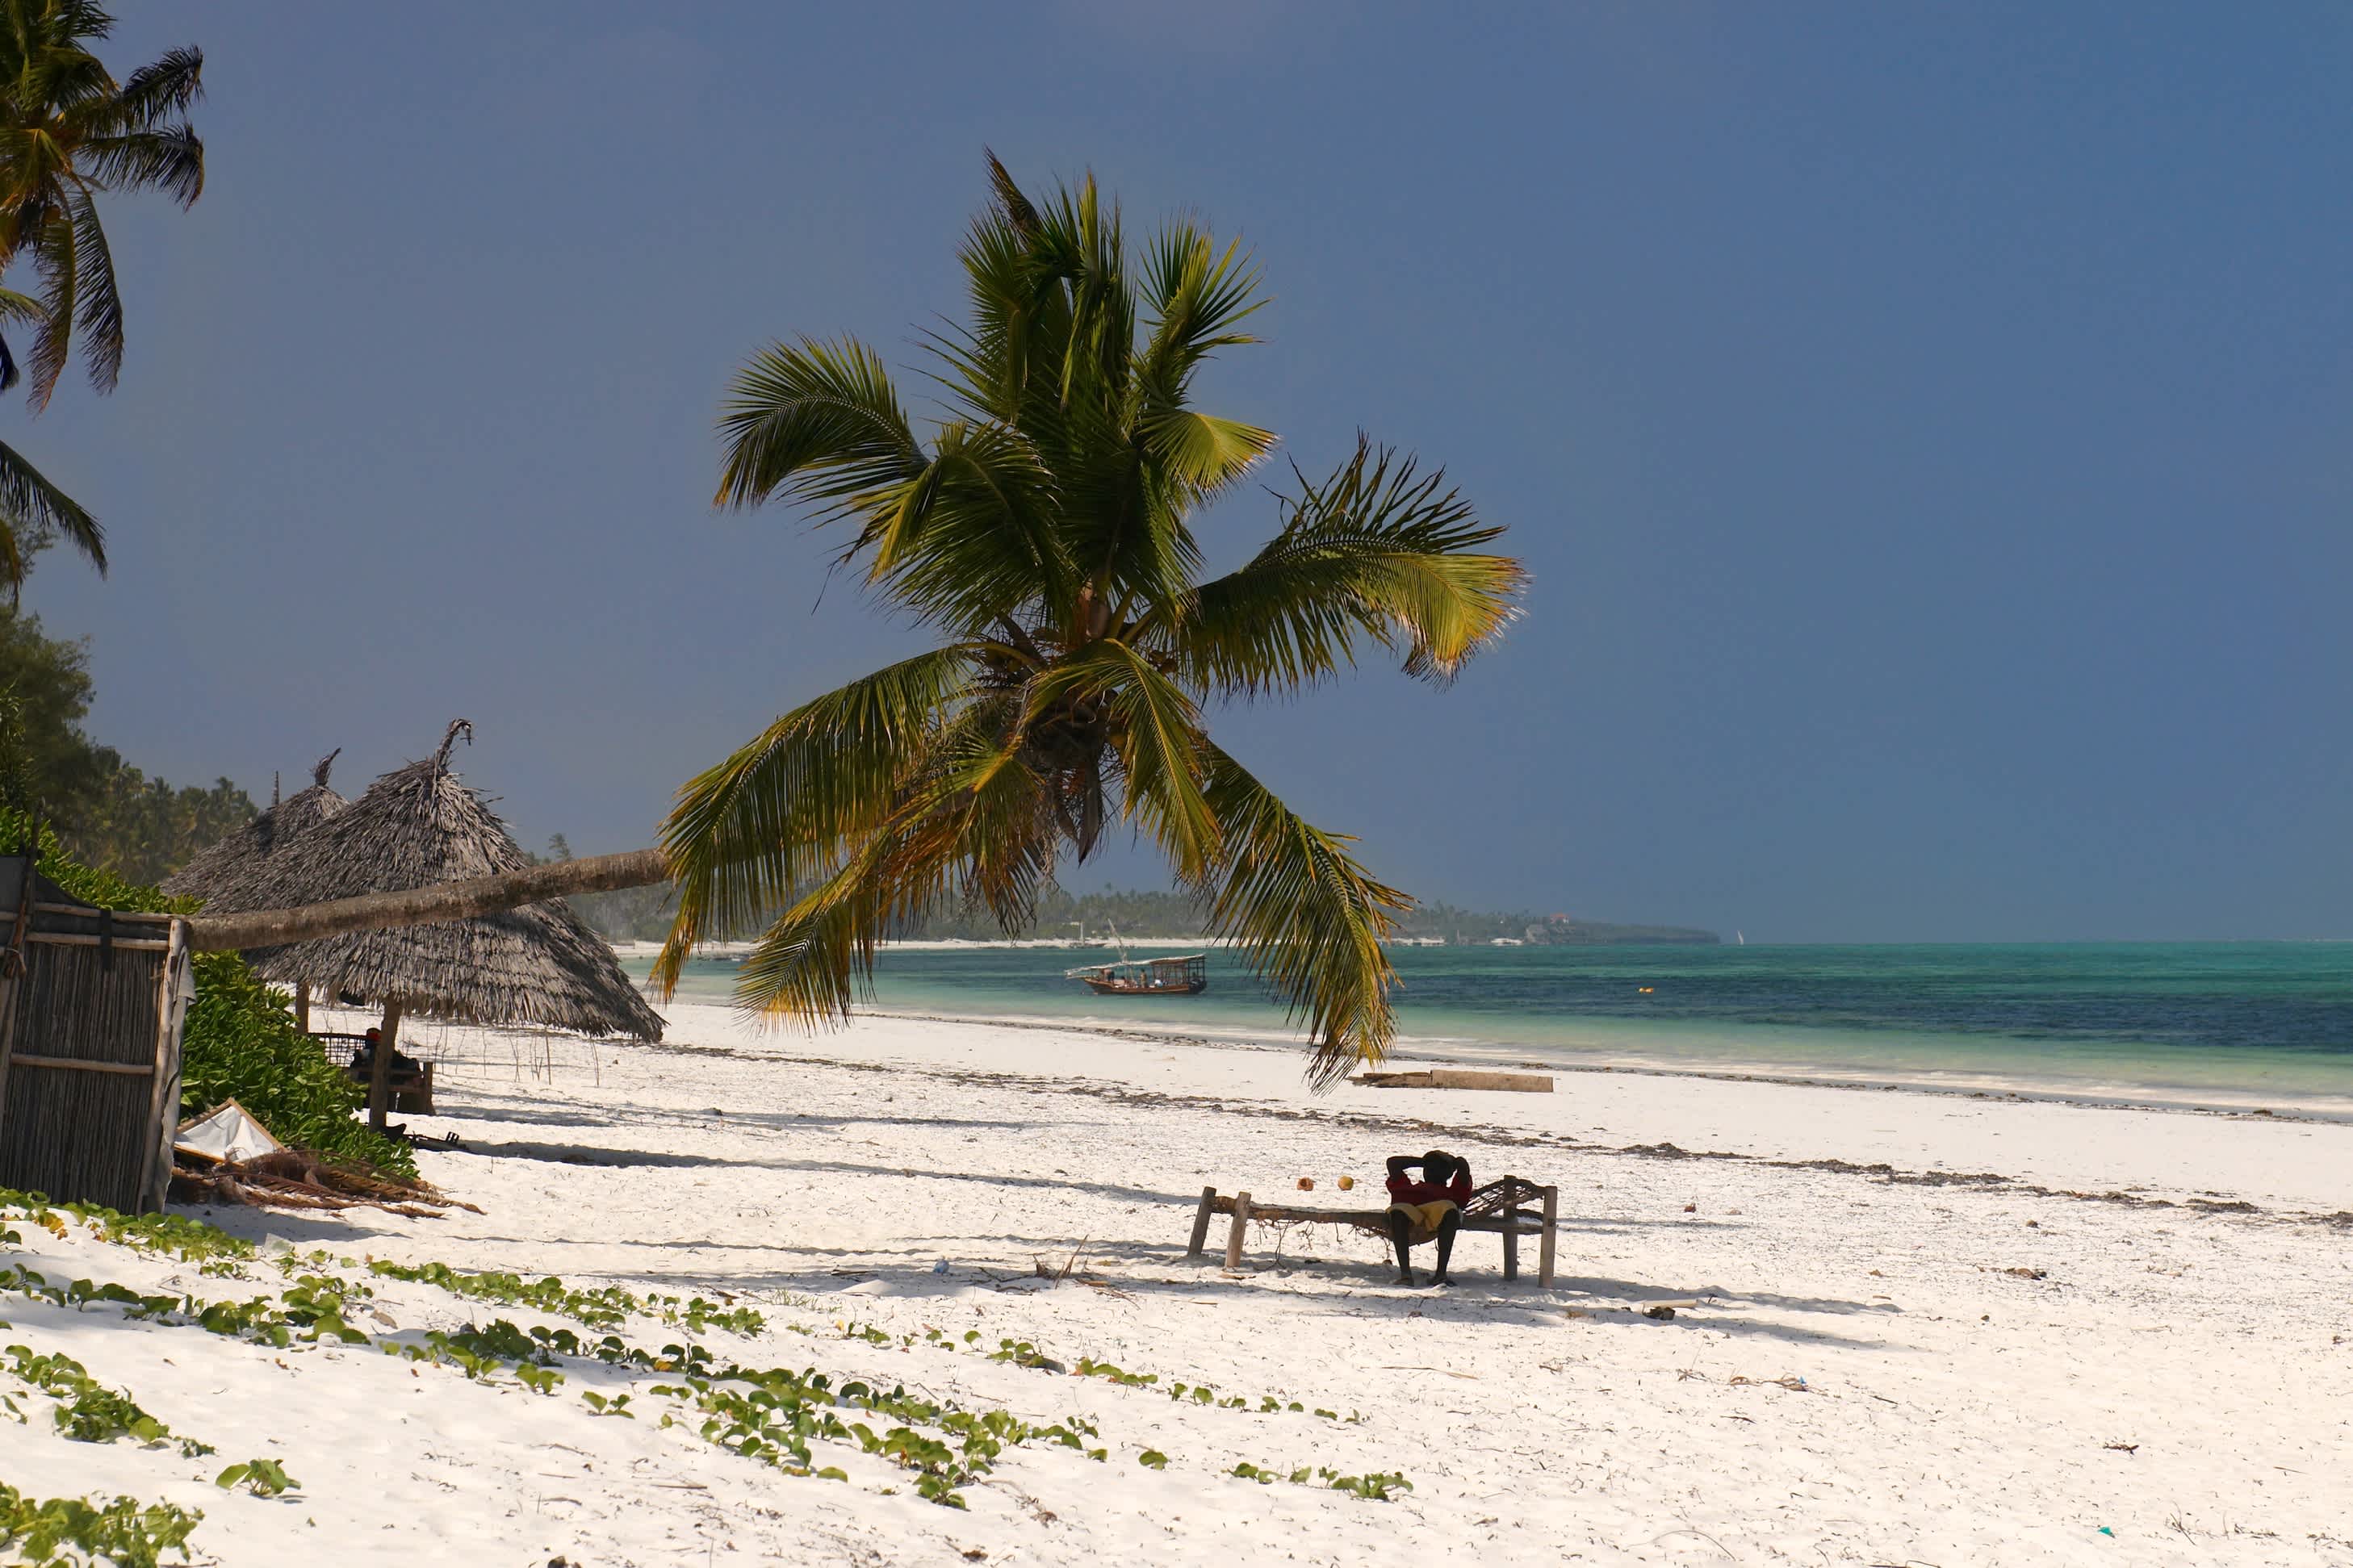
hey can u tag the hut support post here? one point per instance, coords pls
(1235, 1236)
(380, 1069)
(302, 1005)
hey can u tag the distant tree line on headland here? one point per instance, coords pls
(643, 914)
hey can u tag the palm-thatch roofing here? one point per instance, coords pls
(414, 826)
(231, 874)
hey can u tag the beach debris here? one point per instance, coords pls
(227, 1131)
(1465, 1376)
(1347, 1183)
(1691, 1208)
(1306, 1183)
(941, 1267)
(2122, 1447)
(297, 1179)
(1662, 1311)
(1794, 1384)
(2026, 1273)
(1042, 1269)
(2034, 1225)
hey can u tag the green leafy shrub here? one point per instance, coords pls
(72, 1531)
(241, 1044)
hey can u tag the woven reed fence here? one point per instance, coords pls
(92, 1005)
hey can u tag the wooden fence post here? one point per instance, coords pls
(1234, 1236)
(1545, 1245)
(1201, 1222)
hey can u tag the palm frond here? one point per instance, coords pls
(1206, 453)
(814, 422)
(1378, 550)
(969, 541)
(170, 84)
(170, 160)
(1196, 294)
(14, 307)
(743, 836)
(1306, 917)
(973, 827)
(1009, 200)
(59, 267)
(30, 505)
(99, 315)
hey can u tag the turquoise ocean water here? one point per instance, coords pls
(2236, 1023)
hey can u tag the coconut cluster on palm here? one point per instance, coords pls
(1044, 533)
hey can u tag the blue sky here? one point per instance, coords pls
(1930, 429)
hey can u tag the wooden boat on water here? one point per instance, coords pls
(1183, 976)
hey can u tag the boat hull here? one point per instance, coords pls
(1116, 988)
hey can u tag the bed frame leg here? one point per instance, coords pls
(1201, 1222)
(1234, 1236)
(1544, 1243)
(1511, 1238)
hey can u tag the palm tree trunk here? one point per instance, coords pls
(380, 1069)
(425, 906)
(302, 1005)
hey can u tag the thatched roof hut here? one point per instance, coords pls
(415, 827)
(233, 875)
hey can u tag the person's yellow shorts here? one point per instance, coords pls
(1427, 1218)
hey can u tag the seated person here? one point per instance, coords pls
(1429, 1209)
(363, 1060)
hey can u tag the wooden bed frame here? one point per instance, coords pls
(1501, 1206)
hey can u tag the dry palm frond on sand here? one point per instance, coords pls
(296, 1179)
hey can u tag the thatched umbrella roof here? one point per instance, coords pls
(231, 876)
(418, 826)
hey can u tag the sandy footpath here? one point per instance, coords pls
(2026, 1332)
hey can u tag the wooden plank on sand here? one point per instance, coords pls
(1459, 1078)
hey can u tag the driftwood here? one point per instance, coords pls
(1458, 1077)
(297, 1179)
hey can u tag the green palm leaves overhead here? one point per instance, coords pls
(1043, 531)
(70, 133)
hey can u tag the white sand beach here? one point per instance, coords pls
(1911, 1329)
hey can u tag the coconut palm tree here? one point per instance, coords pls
(1045, 534)
(69, 132)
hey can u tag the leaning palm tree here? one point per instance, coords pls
(1045, 534)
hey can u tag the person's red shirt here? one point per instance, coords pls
(1406, 1190)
